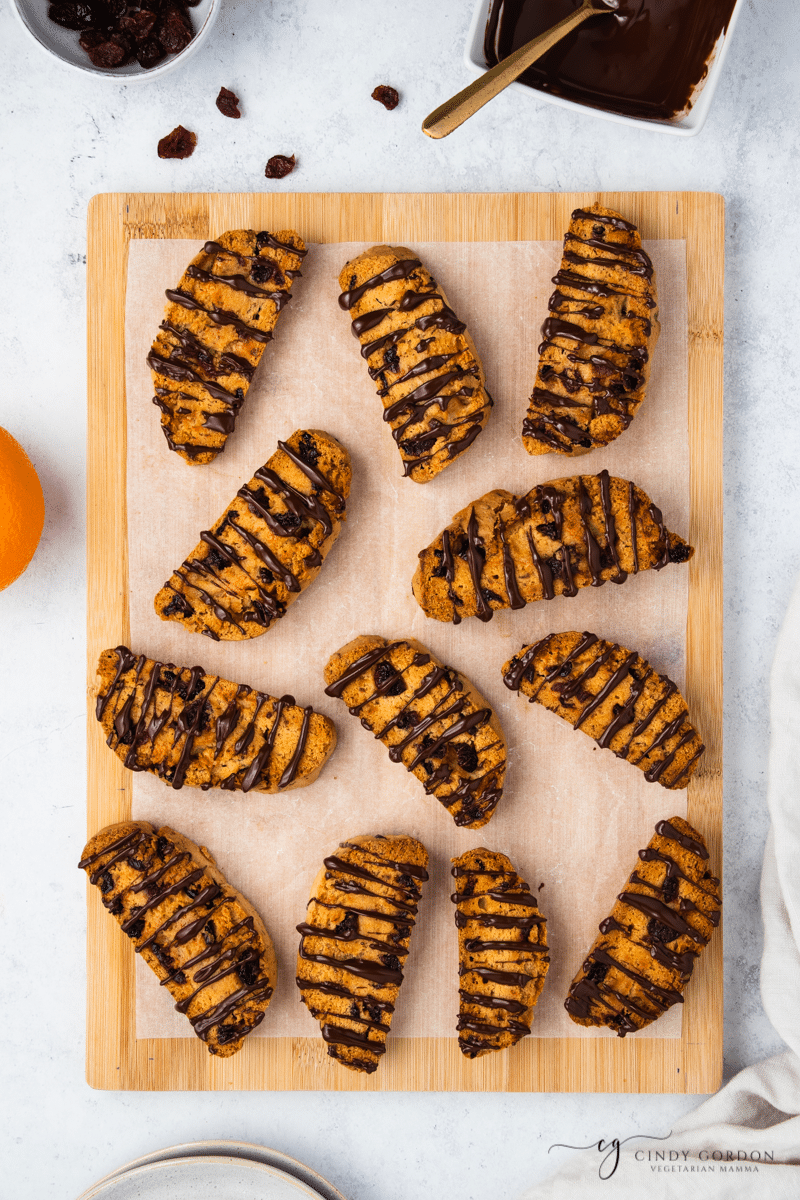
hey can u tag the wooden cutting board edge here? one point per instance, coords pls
(114, 1058)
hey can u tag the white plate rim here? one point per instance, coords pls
(149, 1170)
(233, 1150)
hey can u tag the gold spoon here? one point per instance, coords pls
(464, 104)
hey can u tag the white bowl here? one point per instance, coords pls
(63, 43)
(685, 126)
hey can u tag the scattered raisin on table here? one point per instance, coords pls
(178, 144)
(387, 96)
(228, 103)
(279, 166)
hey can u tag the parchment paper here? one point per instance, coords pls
(572, 816)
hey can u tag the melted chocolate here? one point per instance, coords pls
(645, 61)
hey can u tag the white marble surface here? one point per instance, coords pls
(304, 70)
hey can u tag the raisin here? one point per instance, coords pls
(115, 908)
(606, 557)
(599, 232)
(228, 103)
(407, 719)
(372, 1011)
(106, 882)
(467, 757)
(265, 575)
(391, 961)
(616, 709)
(127, 737)
(193, 890)
(659, 932)
(354, 1013)
(248, 971)
(178, 606)
(263, 239)
(139, 25)
(565, 669)
(458, 546)
(164, 847)
(546, 506)
(307, 450)
(555, 564)
(74, 16)
(634, 674)
(439, 571)
(427, 767)
(226, 1033)
(426, 742)
(679, 553)
(549, 529)
(391, 360)
(279, 166)
(209, 933)
(166, 679)
(670, 889)
(490, 595)
(546, 371)
(216, 560)
(586, 443)
(261, 271)
(387, 96)
(418, 445)
(135, 863)
(178, 144)
(104, 51)
(150, 53)
(174, 29)
(597, 972)
(179, 977)
(348, 927)
(383, 673)
(136, 929)
(287, 520)
(160, 954)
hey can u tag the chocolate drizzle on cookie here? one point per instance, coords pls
(156, 892)
(589, 384)
(154, 713)
(349, 971)
(238, 581)
(437, 419)
(452, 749)
(641, 963)
(585, 530)
(644, 717)
(205, 356)
(490, 897)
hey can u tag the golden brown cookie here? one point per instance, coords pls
(216, 325)
(615, 697)
(502, 952)
(355, 940)
(204, 940)
(502, 551)
(189, 727)
(267, 546)
(640, 964)
(598, 340)
(429, 376)
(431, 719)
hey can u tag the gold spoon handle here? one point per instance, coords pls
(464, 104)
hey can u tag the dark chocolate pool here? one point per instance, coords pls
(644, 61)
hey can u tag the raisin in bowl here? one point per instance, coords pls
(64, 44)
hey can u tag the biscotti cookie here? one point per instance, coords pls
(502, 551)
(216, 325)
(640, 964)
(204, 940)
(502, 952)
(355, 939)
(190, 727)
(267, 546)
(598, 340)
(615, 697)
(429, 376)
(431, 719)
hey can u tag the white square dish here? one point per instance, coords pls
(683, 126)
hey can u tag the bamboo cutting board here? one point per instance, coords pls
(115, 1059)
